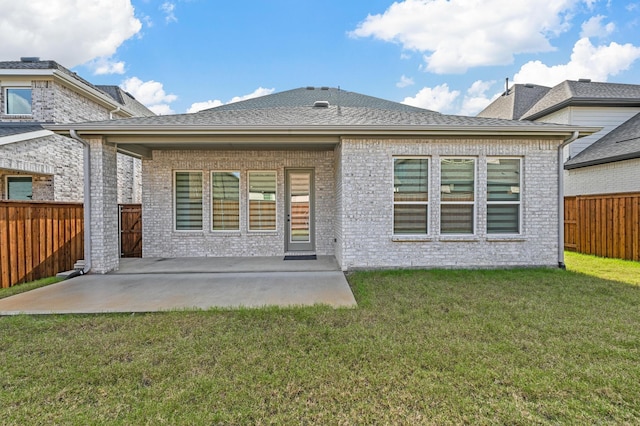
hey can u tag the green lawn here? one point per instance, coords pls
(540, 346)
(21, 288)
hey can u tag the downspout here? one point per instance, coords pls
(566, 142)
(87, 200)
(113, 112)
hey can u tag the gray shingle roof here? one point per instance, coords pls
(584, 93)
(622, 143)
(126, 99)
(10, 129)
(295, 108)
(512, 105)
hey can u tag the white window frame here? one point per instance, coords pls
(6, 184)
(248, 207)
(5, 91)
(473, 203)
(239, 201)
(427, 203)
(175, 198)
(518, 203)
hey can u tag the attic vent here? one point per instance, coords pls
(30, 59)
(529, 85)
(321, 104)
(310, 88)
(584, 80)
(324, 88)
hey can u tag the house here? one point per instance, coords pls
(36, 164)
(324, 171)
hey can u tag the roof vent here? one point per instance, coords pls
(30, 59)
(584, 80)
(310, 88)
(324, 88)
(529, 85)
(321, 104)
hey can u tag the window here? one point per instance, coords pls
(19, 188)
(457, 195)
(225, 201)
(262, 201)
(188, 201)
(18, 101)
(503, 195)
(410, 196)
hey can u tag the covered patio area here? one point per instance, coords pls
(161, 284)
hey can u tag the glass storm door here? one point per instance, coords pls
(299, 210)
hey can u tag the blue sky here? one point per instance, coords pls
(452, 56)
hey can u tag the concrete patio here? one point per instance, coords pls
(158, 284)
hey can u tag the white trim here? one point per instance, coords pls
(174, 201)
(223, 231)
(5, 105)
(507, 203)
(248, 206)
(473, 203)
(411, 237)
(5, 140)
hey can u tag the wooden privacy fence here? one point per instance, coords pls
(38, 239)
(603, 225)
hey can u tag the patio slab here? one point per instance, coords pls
(139, 287)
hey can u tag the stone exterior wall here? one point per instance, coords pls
(367, 207)
(159, 237)
(56, 162)
(610, 178)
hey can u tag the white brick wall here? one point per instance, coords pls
(611, 178)
(367, 207)
(159, 238)
(354, 205)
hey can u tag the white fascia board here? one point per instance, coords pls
(5, 140)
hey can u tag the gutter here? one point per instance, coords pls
(115, 111)
(87, 200)
(566, 142)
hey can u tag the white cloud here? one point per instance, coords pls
(476, 99)
(594, 28)
(587, 61)
(169, 12)
(405, 82)
(150, 93)
(199, 106)
(103, 66)
(71, 32)
(260, 91)
(455, 35)
(438, 98)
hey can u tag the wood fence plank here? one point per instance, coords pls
(5, 280)
(20, 235)
(13, 244)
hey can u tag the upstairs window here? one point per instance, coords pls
(19, 188)
(410, 196)
(18, 101)
(503, 195)
(457, 195)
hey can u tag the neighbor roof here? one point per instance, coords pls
(126, 99)
(512, 104)
(622, 143)
(584, 93)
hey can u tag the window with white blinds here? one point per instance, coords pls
(188, 201)
(503, 195)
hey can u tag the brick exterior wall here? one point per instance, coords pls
(354, 205)
(159, 238)
(367, 207)
(610, 178)
(59, 157)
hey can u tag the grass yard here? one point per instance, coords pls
(540, 346)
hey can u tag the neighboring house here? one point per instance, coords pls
(36, 164)
(377, 184)
(582, 103)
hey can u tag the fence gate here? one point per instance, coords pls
(130, 230)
